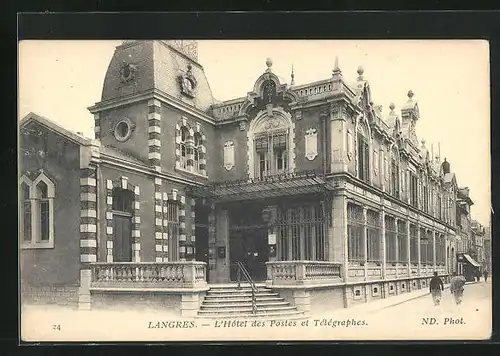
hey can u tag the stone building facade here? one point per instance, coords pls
(316, 190)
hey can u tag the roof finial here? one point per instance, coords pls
(336, 68)
(360, 72)
(410, 94)
(292, 82)
(269, 64)
(392, 107)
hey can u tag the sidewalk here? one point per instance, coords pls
(388, 302)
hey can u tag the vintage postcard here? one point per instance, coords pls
(183, 190)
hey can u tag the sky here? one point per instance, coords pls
(450, 80)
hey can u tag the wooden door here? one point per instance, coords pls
(122, 244)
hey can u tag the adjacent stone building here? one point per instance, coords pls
(319, 193)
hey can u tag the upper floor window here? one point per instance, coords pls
(413, 190)
(394, 175)
(426, 198)
(190, 150)
(272, 152)
(184, 148)
(37, 215)
(363, 154)
(271, 144)
(197, 151)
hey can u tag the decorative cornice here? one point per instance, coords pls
(144, 169)
(151, 94)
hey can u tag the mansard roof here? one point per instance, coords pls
(158, 65)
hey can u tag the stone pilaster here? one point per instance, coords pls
(88, 215)
(154, 134)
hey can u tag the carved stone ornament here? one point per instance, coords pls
(229, 155)
(298, 115)
(188, 83)
(243, 125)
(311, 140)
(272, 123)
(127, 72)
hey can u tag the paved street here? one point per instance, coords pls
(395, 318)
(469, 320)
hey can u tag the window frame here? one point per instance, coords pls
(36, 241)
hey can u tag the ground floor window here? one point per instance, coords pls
(413, 244)
(300, 233)
(373, 232)
(440, 250)
(390, 239)
(402, 242)
(355, 234)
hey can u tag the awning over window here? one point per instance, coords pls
(471, 260)
(282, 185)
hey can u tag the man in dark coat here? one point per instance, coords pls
(485, 274)
(436, 286)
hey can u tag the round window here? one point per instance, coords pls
(122, 130)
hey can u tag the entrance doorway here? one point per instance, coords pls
(201, 234)
(249, 246)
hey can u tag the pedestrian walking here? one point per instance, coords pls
(457, 287)
(436, 286)
(485, 274)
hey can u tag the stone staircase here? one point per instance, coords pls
(227, 301)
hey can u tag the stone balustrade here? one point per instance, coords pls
(302, 272)
(184, 274)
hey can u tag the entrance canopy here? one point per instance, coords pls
(471, 260)
(257, 188)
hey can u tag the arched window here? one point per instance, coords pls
(197, 151)
(26, 229)
(363, 154)
(37, 212)
(270, 138)
(184, 138)
(44, 211)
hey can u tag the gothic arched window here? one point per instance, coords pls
(37, 215)
(26, 212)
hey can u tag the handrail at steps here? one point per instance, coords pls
(242, 270)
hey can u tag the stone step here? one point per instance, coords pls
(262, 310)
(235, 285)
(240, 293)
(219, 306)
(287, 315)
(236, 290)
(243, 300)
